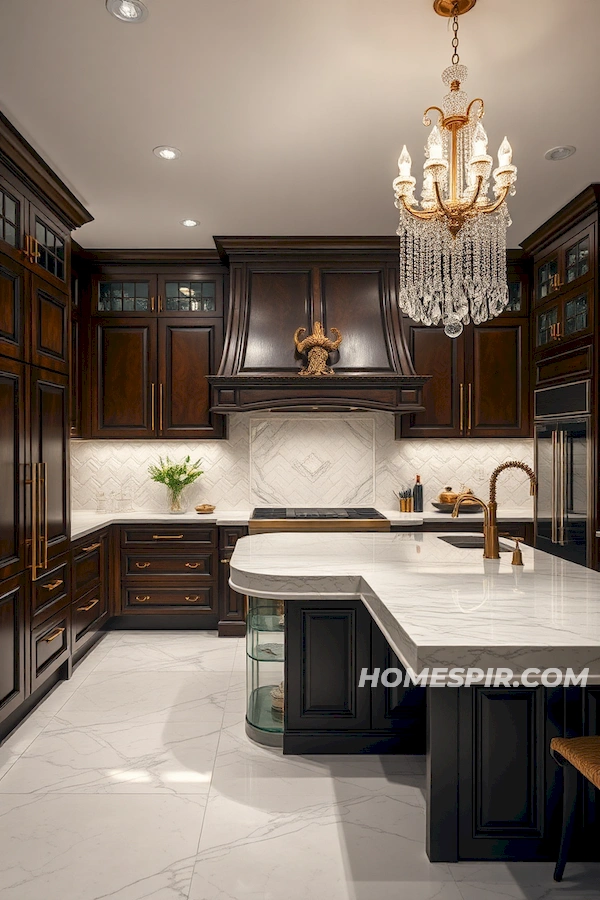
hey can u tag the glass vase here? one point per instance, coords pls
(176, 503)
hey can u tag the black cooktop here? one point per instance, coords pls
(305, 512)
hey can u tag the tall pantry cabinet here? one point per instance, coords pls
(37, 215)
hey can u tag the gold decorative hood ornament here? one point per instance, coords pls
(318, 347)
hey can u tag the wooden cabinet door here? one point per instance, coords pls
(498, 379)
(13, 217)
(232, 605)
(13, 601)
(49, 326)
(14, 308)
(123, 375)
(187, 353)
(190, 293)
(435, 354)
(124, 293)
(50, 446)
(51, 248)
(13, 406)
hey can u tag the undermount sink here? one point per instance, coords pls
(470, 542)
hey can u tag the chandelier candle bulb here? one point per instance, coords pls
(504, 154)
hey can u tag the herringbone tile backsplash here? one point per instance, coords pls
(302, 459)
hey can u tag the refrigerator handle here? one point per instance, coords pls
(562, 488)
(554, 534)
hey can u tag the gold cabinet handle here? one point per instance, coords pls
(52, 585)
(195, 565)
(225, 561)
(26, 251)
(161, 398)
(167, 537)
(32, 482)
(193, 599)
(87, 608)
(142, 599)
(54, 635)
(461, 409)
(152, 304)
(91, 547)
(470, 407)
(152, 406)
(44, 505)
(145, 565)
(35, 252)
(160, 303)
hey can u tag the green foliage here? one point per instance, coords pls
(175, 475)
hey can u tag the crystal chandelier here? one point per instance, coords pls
(453, 244)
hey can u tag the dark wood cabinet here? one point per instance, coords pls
(444, 394)
(13, 602)
(123, 367)
(50, 247)
(50, 448)
(14, 312)
(13, 413)
(232, 605)
(90, 558)
(13, 216)
(50, 646)
(188, 351)
(181, 292)
(50, 315)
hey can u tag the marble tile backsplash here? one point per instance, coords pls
(302, 459)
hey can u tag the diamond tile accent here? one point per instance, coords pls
(303, 459)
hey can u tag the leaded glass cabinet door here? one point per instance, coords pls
(124, 294)
(190, 294)
(12, 220)
(50, 245)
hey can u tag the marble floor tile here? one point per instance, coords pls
(175, 758)
(147, 697)
(526, 881)
(181, 654)
(63, 847)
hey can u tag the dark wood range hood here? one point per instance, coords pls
(280, 284)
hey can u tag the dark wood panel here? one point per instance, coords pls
(355, 304)
(232, 605)
(51, 592)
(12, 644)
(156, 564)
(50, 315)
(498, 394)
(326, 648)
(185, 537)
(188, 352)
(435, 354)
(50, 445)
(13, 407)
(14, 309)
(278, 304)
(88, 613)
(192, 600)
(123, 375)
(50, 646)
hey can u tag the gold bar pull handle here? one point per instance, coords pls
(161, 399)
(461, 409)
(54, 635)
(151, 304)
(32, 482)
(52, 585)
(44, 501)
(152, 406)
(167, 537)
(89, 606)
(91, 547)
(26, 249)
(470, 408)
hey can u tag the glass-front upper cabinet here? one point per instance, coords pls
(190, 292)
(569, 264)
(12, 206)
(567, 318)
(47, 245)
(124, 293)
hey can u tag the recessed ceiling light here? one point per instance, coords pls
(560, 152)
(189, 223)
(132, 11)
(167, 152)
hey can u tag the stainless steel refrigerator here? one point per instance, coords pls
(563, 459)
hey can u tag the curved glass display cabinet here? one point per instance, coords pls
(265, 627)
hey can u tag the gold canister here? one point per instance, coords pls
(406, 504)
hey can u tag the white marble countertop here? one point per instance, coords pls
(438, 605)
(84, 522)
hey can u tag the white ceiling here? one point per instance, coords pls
(290, 114)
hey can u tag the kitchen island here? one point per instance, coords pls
(492, 789)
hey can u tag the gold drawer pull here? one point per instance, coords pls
(87, 608)
(193, 599)
(56, 634)
(142, 599)
(226, 561)
(143, 565)
(167, 537)
(91, 547)
(52, 585)
(195, 565)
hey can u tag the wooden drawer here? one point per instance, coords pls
(87, 614)
(51, 592)
(194, 565)
(89, 561)
(50, 646)
(186, 536)
(141, 599)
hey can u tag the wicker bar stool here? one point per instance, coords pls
(575, 755)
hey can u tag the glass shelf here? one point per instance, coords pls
(260, 710)
(265, 655)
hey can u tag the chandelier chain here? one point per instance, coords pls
(455, 56)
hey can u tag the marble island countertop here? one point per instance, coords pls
(84, 522)
(438, 605)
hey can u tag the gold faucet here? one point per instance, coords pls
(491, 547)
